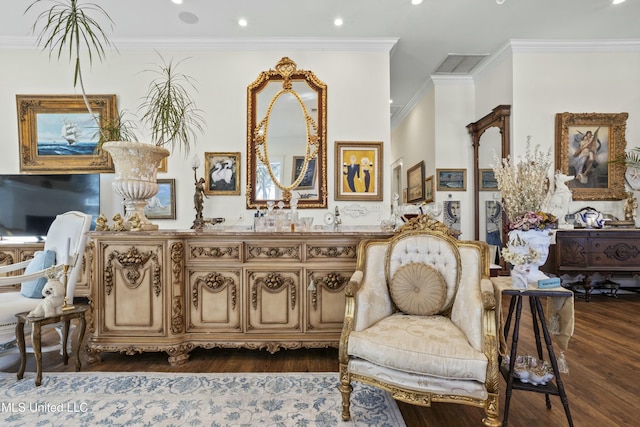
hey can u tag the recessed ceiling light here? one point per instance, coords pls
(416, 2)
(176, 1)
(338, 22)
(242, 22)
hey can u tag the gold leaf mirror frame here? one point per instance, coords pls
(286, 74)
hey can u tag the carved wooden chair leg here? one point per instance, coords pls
(346, 389)
(492, 412)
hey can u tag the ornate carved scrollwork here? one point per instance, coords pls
(177, 267)
(272, 282)
(331, 252)
(621, 252)
(177, 318)
(214, 252)
(215, 282)
(572, 253)
(131, 263)
(6, 258)
(425, 222)
(273, 252)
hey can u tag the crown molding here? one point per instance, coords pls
(400, 115)
(372, 44)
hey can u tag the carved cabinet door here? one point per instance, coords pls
(274, 300)
(132, 289)
(213, 300)
(325, 298)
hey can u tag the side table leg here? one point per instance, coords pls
(65, 340)
(37, 351)
(82, 327)
(22, 348)
(512, 359)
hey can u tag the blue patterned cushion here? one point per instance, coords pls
(40, 261)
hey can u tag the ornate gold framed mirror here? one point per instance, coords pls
(286, 137)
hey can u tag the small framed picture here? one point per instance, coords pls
(222, 173)
(452, 179)
(487, 180)
(415, 183)
(358, 171)
(307, 182)
(163, 204)
(429, 190)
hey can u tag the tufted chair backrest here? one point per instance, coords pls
(435, 250)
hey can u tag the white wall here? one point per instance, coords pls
(358, 109)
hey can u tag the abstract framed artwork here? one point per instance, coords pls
(308, 182)
(429, 190)
(57, 134)
(415, 183)
(452, 179)
(487, 180)
(163, 204)
(222, 173)
(587, 144)
(358, 174)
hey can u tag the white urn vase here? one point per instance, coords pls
(136, 166)
(539, 240)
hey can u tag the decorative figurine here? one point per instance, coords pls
(136, 224)
(630, 207)
(101, 223)
(118, 223)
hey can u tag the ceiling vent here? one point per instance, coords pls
(459, 64)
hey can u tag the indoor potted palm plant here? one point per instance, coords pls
(167, 109)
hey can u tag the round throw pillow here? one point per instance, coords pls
(418, 289)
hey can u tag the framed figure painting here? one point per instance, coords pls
(58, 135)
(163, 204)
(358, 174)
(586, 147)
(222, 173)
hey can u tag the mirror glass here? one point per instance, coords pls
(286, 147)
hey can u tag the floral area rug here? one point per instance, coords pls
(179, 399)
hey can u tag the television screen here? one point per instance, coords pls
(30, 203)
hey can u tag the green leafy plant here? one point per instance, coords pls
(168, 108)
(68, 28)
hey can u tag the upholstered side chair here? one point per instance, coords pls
(420, 322)
(68, 232)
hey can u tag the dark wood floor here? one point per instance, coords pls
(603, 385)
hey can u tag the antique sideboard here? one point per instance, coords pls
(174, 291)
(589, 251)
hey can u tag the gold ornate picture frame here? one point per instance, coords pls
(586, 145)
(222, 174)
(415, 183)
(452, 179)
(58, 135)
(429, 189)
(358, 171)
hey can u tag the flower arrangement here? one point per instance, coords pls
(515, 257)
(533, 221)
(522, 184)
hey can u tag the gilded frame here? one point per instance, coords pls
(224, 184)
(600, 178)
(53, 150)
(358, 170)
(429, 189)
(415, 183)
(167, 198)
(452, 179)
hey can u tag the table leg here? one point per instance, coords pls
(36, 337)
(536, 334)
(82, 326)
(65, 340)
(22, 348)
(512, 360)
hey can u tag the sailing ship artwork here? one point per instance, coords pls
(66, 134)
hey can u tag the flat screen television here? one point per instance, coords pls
(30, 203)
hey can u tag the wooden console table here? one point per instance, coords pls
(590, 251)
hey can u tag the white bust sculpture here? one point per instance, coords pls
(559, 199)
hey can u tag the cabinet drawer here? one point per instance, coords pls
(214, 251)
(273, 251)
(330, 251)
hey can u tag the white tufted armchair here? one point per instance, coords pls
(447, 349)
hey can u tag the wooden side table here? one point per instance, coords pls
(539, 323)
(37, 323)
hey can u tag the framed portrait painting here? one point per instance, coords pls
(586, 145)
(57, 134)
(415, 183)
(452, 179)
(222, 173)
(163, 204)
(358, 171)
